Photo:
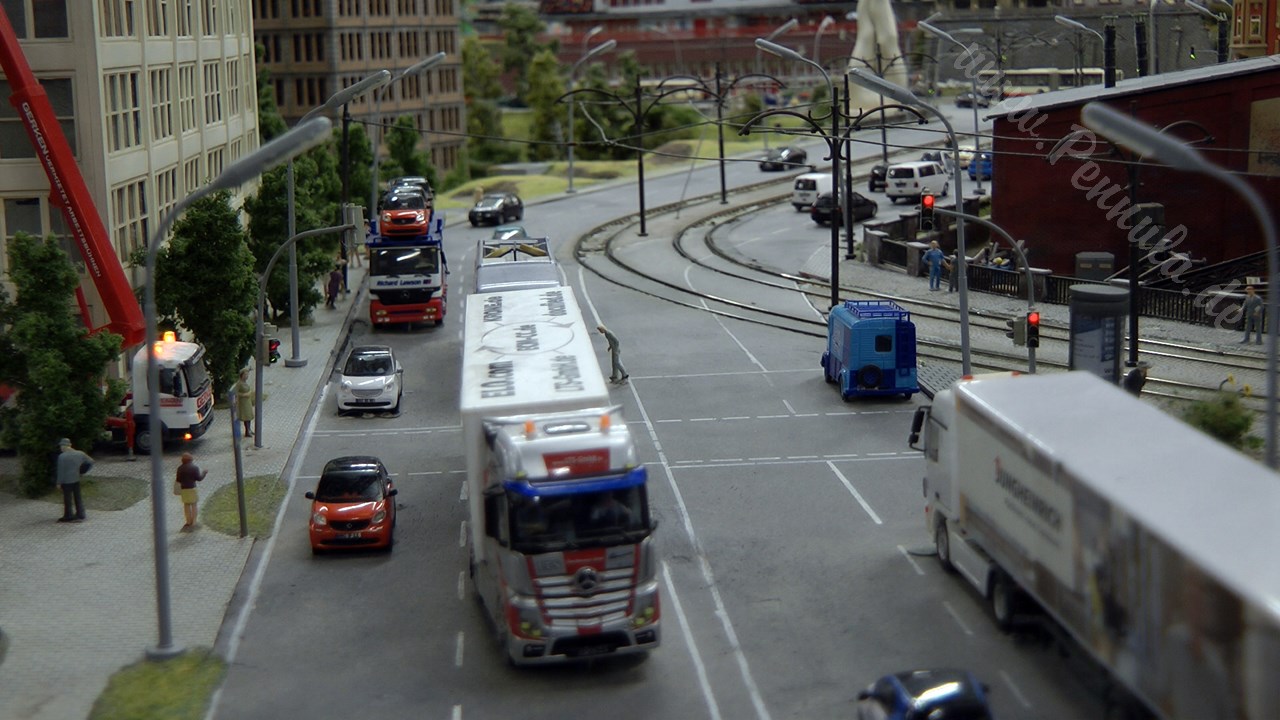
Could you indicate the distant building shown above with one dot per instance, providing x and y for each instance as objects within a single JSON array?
[
  {"x": 316, "y": 47},
  {"x": 155, "y": 98}
]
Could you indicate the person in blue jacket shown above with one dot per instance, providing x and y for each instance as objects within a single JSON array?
[{"x": 934, "y": 258}]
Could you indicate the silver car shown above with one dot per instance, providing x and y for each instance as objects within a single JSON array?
[{"x": 371, "y": 379}]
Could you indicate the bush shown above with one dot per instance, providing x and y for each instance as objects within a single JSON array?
[{"x": 1223, "y": 417}]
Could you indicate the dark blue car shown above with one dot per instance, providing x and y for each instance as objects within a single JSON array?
[
  {"x": 980, "y": 166},
  {"x": 925, "y": 695}
]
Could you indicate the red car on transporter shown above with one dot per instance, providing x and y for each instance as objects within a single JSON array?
[
  {"x": 353, "y": 505},
  {"x": 405, "y": 213}
]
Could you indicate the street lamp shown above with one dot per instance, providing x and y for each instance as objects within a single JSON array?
[
  {"x": 603, "y": 47},
  {"x": 973, "y": 85},
  {"x": 338, "y": 99},
  {"x": 1223, "y": 27},
  {"x": 827, "y": 22},
  {"x": 906, "y": 97},
  {"x": 416, "y": 68},
  {"x": 1149, "y": 142},
  {"x": 1078, "y": 27},
  {"x": 778, "y": 32},
  {"x": 301, "y": 138},
  {"x": 786, "y": 52}
]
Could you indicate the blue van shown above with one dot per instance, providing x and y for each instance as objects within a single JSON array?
[{"x": 871, "y": 349}]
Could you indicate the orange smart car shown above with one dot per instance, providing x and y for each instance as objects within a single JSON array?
[
  {"x": 353, "y": 505},
  {"x": 405, "y": 212}
]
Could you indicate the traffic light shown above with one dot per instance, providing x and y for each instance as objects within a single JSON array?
[
  {"x": 926, "y": 212},
  {"x": 1017, "y": 330},
  {"x": 1032, "y": 329}
]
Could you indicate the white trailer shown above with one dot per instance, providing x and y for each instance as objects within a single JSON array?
[
  {"x": 1151, "y": 544},
  {"x": 561, "y": 538}
]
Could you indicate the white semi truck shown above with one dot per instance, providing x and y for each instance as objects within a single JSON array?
[
  {"x": 561, "y": 540},
  {"x": 1151, "y": 544}
]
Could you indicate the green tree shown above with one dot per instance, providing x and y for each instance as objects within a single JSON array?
[
  {"x": 481, "y": 89},
  {"x": 270, "y": 124},
  {"x": 360, "y": 157},
  {"x": 403, "y": 155},
  {"x": 57, "y": 368},
  {"x": 205, "y": 282},
  {"x": 521, "y": 27},
  {"x": 549, "y": 117}
]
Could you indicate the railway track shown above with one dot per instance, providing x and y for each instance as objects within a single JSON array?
[{"x": 700, "y": 239}]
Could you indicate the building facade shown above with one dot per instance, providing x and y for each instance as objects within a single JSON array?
[
  {"x": 316, "y": 47},
  {"x": 155, "y": 97}
]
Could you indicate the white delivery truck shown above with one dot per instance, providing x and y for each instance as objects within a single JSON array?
[
  {"x": 1151, "y": 544},
  {"x": 561, "y": 540},
  {"x": 186, "y": 396}
]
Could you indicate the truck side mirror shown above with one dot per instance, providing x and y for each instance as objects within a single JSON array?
[{"x": 917, "y": 423}]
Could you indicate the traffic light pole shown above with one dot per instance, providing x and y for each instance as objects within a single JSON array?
[{"x": 1022, "y": 259}]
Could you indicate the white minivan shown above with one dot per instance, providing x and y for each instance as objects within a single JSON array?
[
  {"x": 910, "y": 180},
  {"x": 807, "y": 189}
]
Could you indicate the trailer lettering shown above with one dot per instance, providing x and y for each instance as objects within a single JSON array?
[
  {"x": 501, "y": 381},
  {"x": 527, "y": 338},
  {"x": 493, "y": 308},
  {"x": 568, "y": 378},
  {"x": 1029, "y": 498},
  {"x": 554, "y": 303}
]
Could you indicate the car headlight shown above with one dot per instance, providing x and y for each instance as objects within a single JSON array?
[
  {"x": 386, "y": 217},
  {"x": 318, "y": 518},
  {"x": 346, "y": 384},
  {"x": 379, "y": 516},
  {"x": 419, "y": 216}
]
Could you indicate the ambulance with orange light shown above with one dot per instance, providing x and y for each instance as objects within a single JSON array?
[
  {"x": 186, "y": 396},
  {"x": 561, "y": 537}
]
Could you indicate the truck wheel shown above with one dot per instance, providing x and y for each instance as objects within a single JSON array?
[
  {"x": 142, "y": 440},
  {"x": 1003, "y": 595},
  {"x": 942, "y": 541}
]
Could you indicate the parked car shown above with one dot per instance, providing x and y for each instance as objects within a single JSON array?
[
  {"x": 925, "y": 695},
  {"x": 984, "y": 98},
  {"x": 509, "y": 232},
  {"x": 861, "y": 208},
  {"x": 353, "y": 505},
  {"x": 945, "y": 158},
  {"x": 877, "y": 180},
  {"x": 784, "y": 158},
  {"x": 910, "y": 180},
  {"x": 405, "y": 212},
  {"x": 496, "y": 209},
  {"x": 371, "y": 379},
  {"x": 980, "y": 167}
]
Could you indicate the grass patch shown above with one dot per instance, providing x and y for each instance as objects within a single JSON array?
[
  {"x": 262, "y": 497},
  {"x": 103, "y": 493},
  {"x": 174, "y": 689}
]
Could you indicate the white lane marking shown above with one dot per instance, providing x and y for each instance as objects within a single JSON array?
[
  {"x": 713, "y": 708},
  {"x": 1017, "y": 693},
  {"x": 463, "y": 494},
  {"x": 457, "y": 653},
  {"x": 457, "y": 713},
  {"x": 799, "y": 415},
  {"x": 462, "y": 534},
  {"x": 723, "y": 327},
  {"x": 686, "y": 464},
  {"x": 771, "y": 417},
  {"x": 672, "y": 420},
  {"x": 853, "y": 491},
  {"x": 956, "y": 616},
  {"x": 759, "y": 459},
  {"x": 462, "y": 584},
  {"x": 737, "y": 417},
  {"x": 803, "y": 457},
  {"x": 919, "y": 570},
  {"x": 788, "y": 406},
  {"x": 255, "y": 584},
  {"x": 702, "y": 419}
]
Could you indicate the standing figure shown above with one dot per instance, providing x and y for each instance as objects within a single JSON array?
[
  {"x": 71, "y": 465},
  {"x": 934, "y": 258},
  {"x": 244, "y": 400},
  {"x": 618, "y": 373},
  {"x": 1252, "y": 314},
  {"x": 335, "y": 285},
  {"x": 187, "y": 477}
]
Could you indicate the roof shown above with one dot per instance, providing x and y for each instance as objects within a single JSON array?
[{"x": 1124, "y": 88}]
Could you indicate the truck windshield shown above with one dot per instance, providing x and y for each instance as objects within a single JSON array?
[
  {"x": 404, "y": 261},
  {"x": 197, "y": 379},
  {"x": 546, "y": 524}
]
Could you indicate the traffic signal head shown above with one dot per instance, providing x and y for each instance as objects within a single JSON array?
[
  {"x": 1017, "y": 329},
  {"x": 926, "y": 212},
  {"x": 1033, "y": 329}
]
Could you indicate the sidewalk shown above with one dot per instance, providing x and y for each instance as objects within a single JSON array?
[{"x": 78, "y": 601}]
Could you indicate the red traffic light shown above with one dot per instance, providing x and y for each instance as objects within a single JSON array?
[
  {"x": 1033, "y": 318},
  {"x": 926, "y": 201}
]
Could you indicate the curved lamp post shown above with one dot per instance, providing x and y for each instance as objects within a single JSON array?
[
  {"x": 603, "y": 47},
  {"x": 301, "y": 138},
  {"x": 906, "y": 97},
  {"x": 827, "y": 22},
  {"x": 973, "y": 89},
  {"x": 1078, "y": 27},
  {"x": 335, "y": 101},
  {"x": 419, "y": 67},
  {"x": 1224, "y": 28},
  {"x": 1149, "y": 142},
  {"x": 778, "y": 32}
]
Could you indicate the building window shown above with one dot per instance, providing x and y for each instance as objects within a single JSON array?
[
  {"x": 187, "y": 96},
  {"x": 210, "y": 17},
  {"x": 185, "y": 18},
  {"x": 235, "y": 150},
  {"x": 212, "y": 92},
  {"x": 116, "y": 18},
  {"x": 161, "y": 103},
  {"x": 191, "y": 176},
  {"x": 124, "y": 111},
  {"x": 166, "y": 190},
  {"x": 14, "y": 142},
  {"x": 129, "y": 217},
  {"x": 215, "y": 161},
  {"x": 37, "y": 18},
  {"x": 158, "y": 18},
  {"x": 233, "y": 87},
  {"x": 23, "y": 215}
]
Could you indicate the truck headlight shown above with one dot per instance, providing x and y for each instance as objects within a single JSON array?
[{"x": 647, "y": 608}]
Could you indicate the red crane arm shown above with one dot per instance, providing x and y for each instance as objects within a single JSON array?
[{"x": 68, "y": 192}]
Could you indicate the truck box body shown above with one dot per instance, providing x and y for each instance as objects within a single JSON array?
[
  {"x": 522, "y": 263},
  {"x": 1149, "y": 542},
  {"x": 560, "y": 574}
]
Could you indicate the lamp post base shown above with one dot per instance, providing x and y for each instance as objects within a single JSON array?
[
  {"x": 167, "y": 652},
  {"x": 295, "y": 362}
]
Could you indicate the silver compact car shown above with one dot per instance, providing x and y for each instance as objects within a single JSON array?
[{"x": 371, "y": 379}]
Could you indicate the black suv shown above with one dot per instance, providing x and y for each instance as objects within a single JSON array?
[
  {"x": 786, "y": 158},
  {"x": 496, "y": 209},
  {"x": 863, "y": 208}
]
